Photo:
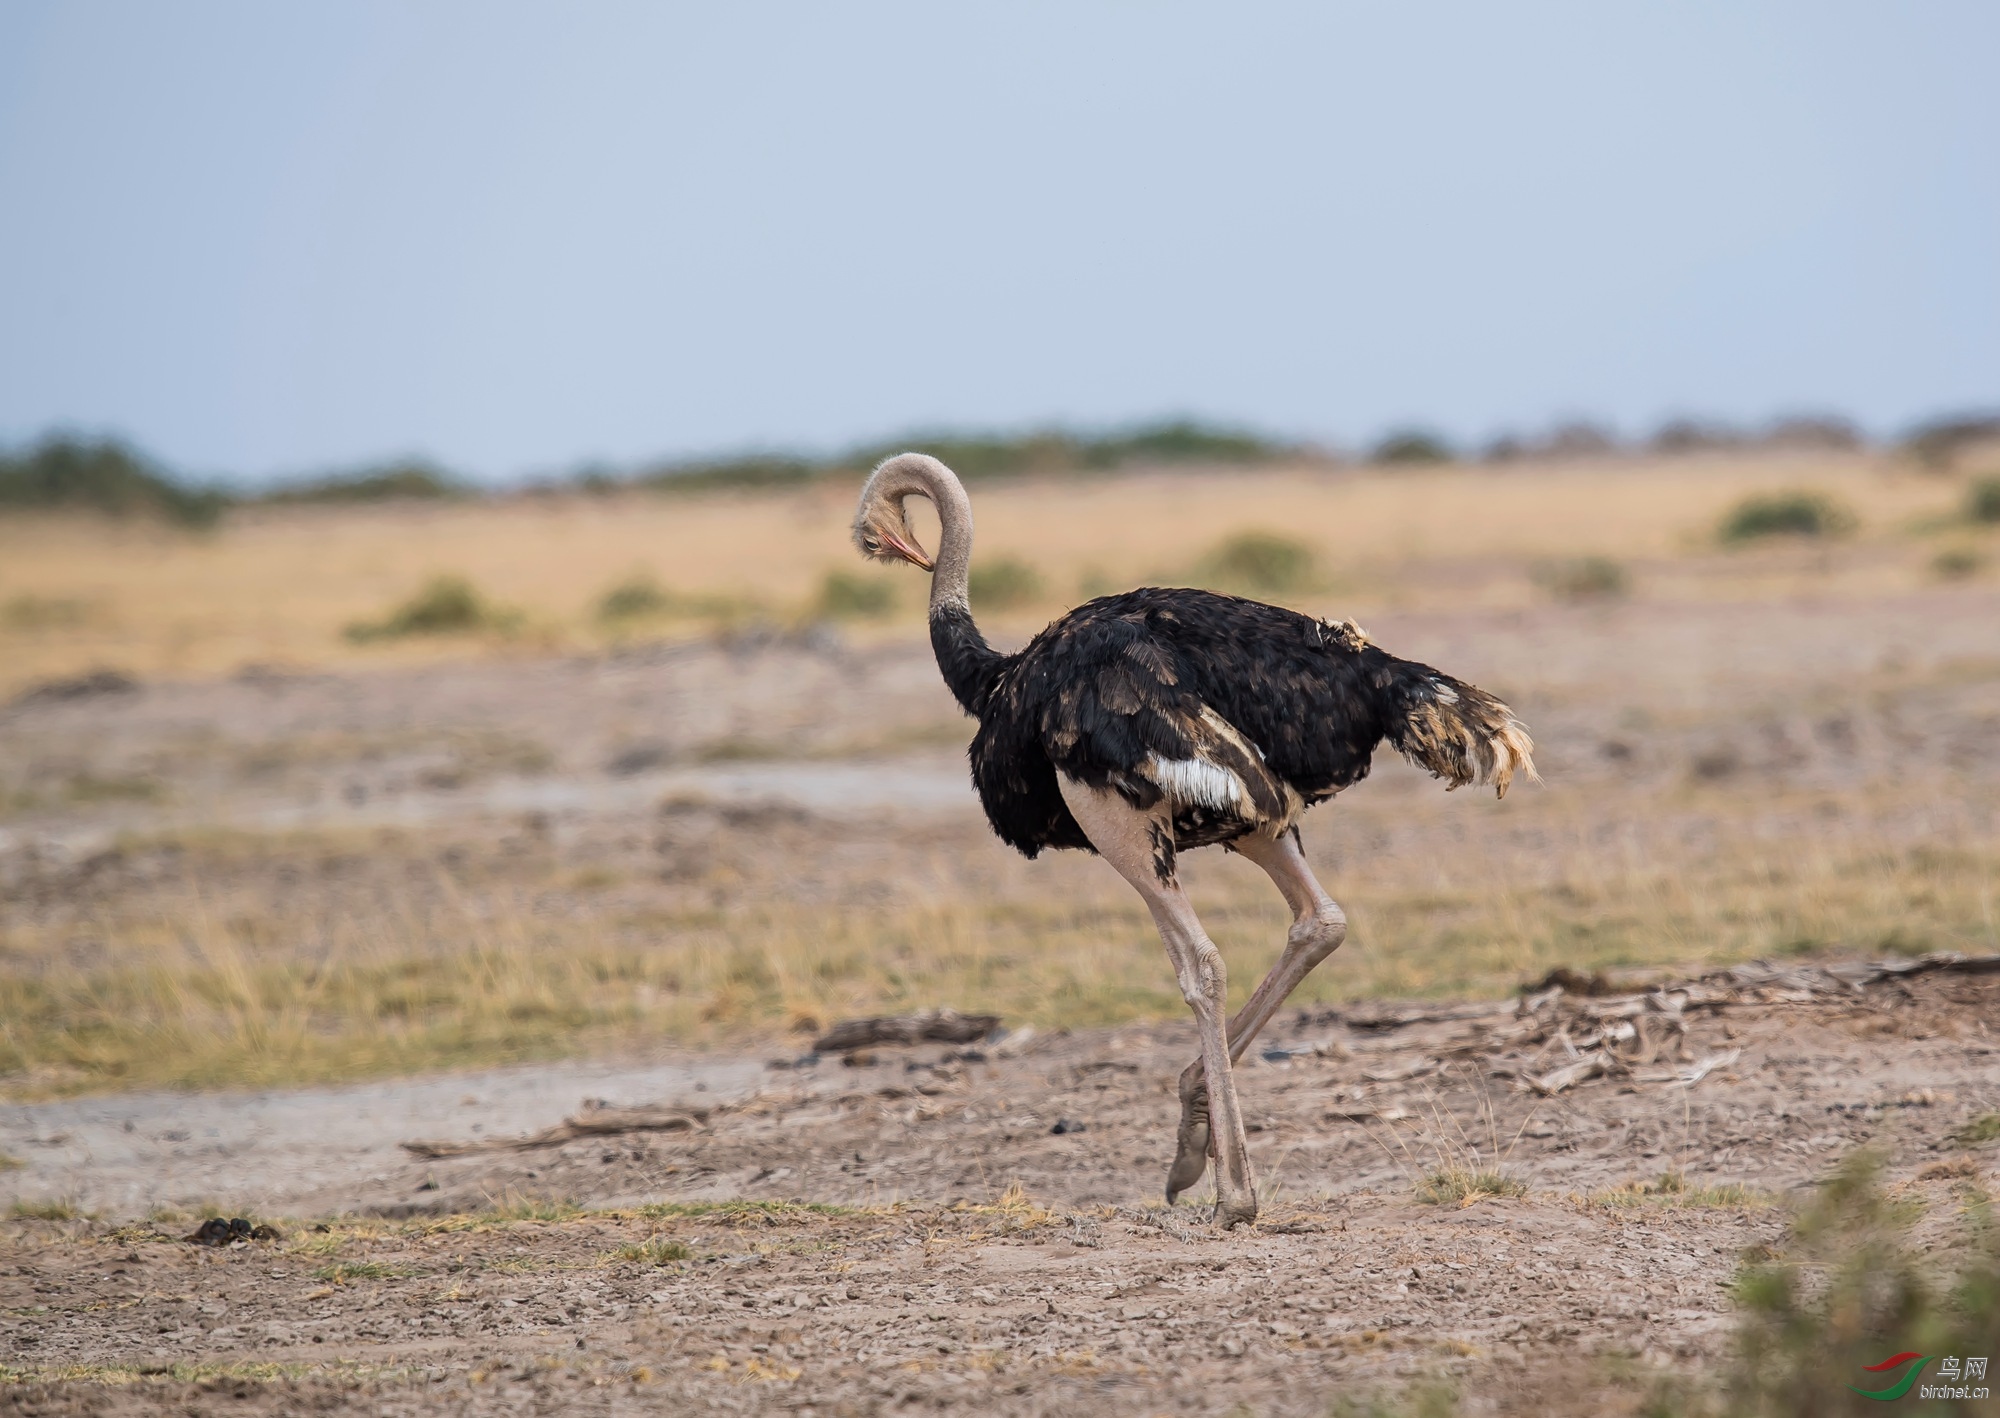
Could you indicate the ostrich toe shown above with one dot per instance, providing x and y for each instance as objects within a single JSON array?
[{"x": 1192, "y": 1143}]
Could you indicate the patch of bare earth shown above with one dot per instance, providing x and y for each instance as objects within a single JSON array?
[{"x": 946, "y": 1228}]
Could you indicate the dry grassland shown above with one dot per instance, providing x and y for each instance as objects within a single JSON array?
[
  {"x": 242, "y": 964},
  {"x": 279, "y": 586},
  {"x": 428, "y": 855}
]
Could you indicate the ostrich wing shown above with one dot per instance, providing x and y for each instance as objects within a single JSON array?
[
  {"x": 1235, "y": 712},
  {"x": 1113, "y": 704}
]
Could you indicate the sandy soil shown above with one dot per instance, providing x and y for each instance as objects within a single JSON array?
[{"x": 951, "y": 1249}]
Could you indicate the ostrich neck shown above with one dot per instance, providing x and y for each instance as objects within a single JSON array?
[
  {"x": 970, "y": 666},
  {"x": 954, "y": 555}
]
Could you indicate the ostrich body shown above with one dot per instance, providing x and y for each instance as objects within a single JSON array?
[{"x": 1144, "y": 724}]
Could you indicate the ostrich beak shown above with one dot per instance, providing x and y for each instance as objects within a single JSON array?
[{"x": 909, "y": 551}]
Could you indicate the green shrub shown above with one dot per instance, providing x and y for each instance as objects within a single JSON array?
[
  {"x": 1688, "y": 435},
  {"x": 1850, "y": 1289},
  {"x": 659, "y": 1250},
  {"x": 1957, "y": 563},
  {"x": 1411, "y": 446},
  {"x": 1178, "y": 441},
  {"x": 1938, "y": 443},
  {"x": 1982, "y": 501},
  {"x": 1003, "y": 584},
  {"x": 44, "y": 613},
  {"x": 844, "y": 595},
  {"x": 412, "y": 479},
  {"x": 1799, "y": 513},
  {"x": 1984, "y": 1128},
  {"x": 640, "y": 597},
  {"x": 975, "y": 456},
  {"x": 1261, "y": 563},
  {"x": 101, "y": 476},
  {"x": 754, "y": 470},
  {"x": 1461, "y": 1184},
  {"x": 1586, "y": 578},
  {"x": 447, "y": 605},
  {"x": 50, "y": 1209},
  {"x": 637, "y": 595}
]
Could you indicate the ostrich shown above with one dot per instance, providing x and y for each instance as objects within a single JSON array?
[{"x": 1144, "y": 724}]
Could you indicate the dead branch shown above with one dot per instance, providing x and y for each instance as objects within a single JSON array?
[
  {"x": 944, "y": 1026},
  {"x": 597, "y": 1119}
]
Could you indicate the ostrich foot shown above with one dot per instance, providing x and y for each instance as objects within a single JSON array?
[
  {"x": 1194, "y": 1142},
  {"x": 1235, "y": 1211}
]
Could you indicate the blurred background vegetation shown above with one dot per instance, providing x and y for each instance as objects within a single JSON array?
[{"x": 66, "y": 471}]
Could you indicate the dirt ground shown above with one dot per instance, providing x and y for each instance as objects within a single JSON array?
[{"x": 948, "y": 1228}]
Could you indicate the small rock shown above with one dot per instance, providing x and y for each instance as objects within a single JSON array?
[
  {"x": 639, "y": 758},
  {"x": 85, "y": 686},
  {"x": 1064, "y": 1127}
]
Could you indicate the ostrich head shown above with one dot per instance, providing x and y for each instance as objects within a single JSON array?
[{"x": 881, "y": 524}]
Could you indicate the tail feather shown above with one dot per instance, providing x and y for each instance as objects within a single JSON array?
[{"x": 1459, "y": 732}]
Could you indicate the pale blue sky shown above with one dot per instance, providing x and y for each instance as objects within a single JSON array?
[{"x": 267, "y": 238}]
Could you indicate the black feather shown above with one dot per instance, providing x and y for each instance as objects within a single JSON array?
[
  {"x": 1128, "y": 676},
  {"x": 968, "y": 663}
]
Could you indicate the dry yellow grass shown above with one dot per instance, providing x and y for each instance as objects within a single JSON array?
[
  {"x": 279, "y": 585},
  {"x": 213, "y": 986}
]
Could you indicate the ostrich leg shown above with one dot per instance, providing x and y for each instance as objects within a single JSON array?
[
  {"x": 1140, "y": 845},
  {"x": 1318, "y": 928}
]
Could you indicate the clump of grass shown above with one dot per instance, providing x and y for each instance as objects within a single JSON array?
[
  {"x": 532, "y": 1208},
  {"x": 446, "y": 605},
  {"x": 48, "y": 1209},
  {"x": 657, "y": 1250},
  {"x": 745, "y": 1210},
  {"x": 1260, "y": 563},
  {"x": 640, "y": 597},
  {"x": 1584, "y": 578},
  {"x": 1004, "y": 583},
  {"x": 10, "y": 1163},
  {"x": 320, "y": 1243},
  {"x": 344, "y": 1271},
  {"x": 1849, "y": 1289},
  {"x": 1673, "y": 1189},
  {"x": 1446, "y": 1167},
  {"x": 182, "y": 1372},
  {"x": 44, "y": 613},
  {"x": 844, "y": 595},
  {"x": 1462, "y": 1184},
  {"x": 636, "y": 596},
  {"x": 1984, "y": 1128},
  {"x": 86, "y": 789},
  {"x": 1982, "y": 500},
  {"x": 1957, "y": 563},
  {"x": 1014, "y": 1210},
  {"x": 1424, "y": 1398},
  {"x": 1799, "y": 513}
]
